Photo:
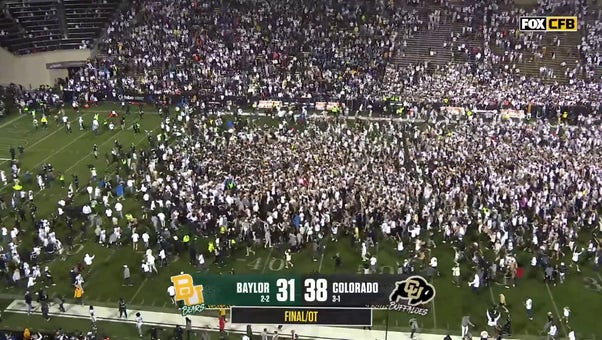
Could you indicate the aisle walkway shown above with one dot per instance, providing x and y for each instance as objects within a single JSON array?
[{"x": 210, "y": 323}]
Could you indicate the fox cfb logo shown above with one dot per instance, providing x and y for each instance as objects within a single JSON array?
[
  {"x": 548, "y": 24},
  {"x": 415, "y": 291},
  {"x": 188, "y": 293}
]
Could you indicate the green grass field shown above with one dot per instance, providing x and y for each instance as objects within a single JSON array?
[{"x": 72, "y": 154}]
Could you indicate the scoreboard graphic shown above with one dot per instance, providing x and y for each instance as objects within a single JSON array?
[{"x": 315, "y": 299}]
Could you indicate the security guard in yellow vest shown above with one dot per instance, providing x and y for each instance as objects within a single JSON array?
[{"x": 400, "y": 111}]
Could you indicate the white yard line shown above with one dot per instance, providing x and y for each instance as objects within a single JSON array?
[
  {"x": 558, "y": 315},
  {"x": 138, "y": 290},
  {"x": 89, "y": 154},
  {"x": 434, "y": 312},
  {"x": 321, "y": 261},
  {"x": 40, "y": 141},
  {"x": 45, "y": 137},
  {"x": 13, "y": 120},
  {"x": 63, "y": 148},
  {"x": 491, "y": 294}
]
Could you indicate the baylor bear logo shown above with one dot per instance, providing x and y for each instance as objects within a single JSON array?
[{"x": 415, "y": 290}]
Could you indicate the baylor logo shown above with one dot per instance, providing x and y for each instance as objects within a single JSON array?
[{"x": 188, "y": 293}]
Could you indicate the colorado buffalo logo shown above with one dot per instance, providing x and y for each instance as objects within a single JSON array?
[{"x": 415, "y": 290}]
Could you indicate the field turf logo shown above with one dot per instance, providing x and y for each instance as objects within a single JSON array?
[
  {"x": 187, "y": 293},
  {"x": 411, "y": 294},
  {"x": 548, "y": 24}
]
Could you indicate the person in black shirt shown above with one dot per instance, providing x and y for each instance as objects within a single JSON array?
[
  {"x": 178, "y": 332},
  {"x": 45, "y": 311},
  {"x": 42, "y": 296},
  {"x": 123, "y": 309},
  {"x": 337, "y": 260},
  {"x": 154, "y": 333},
  {"x": 28, "y": 302},
  {"x": 60, "y": 301}
]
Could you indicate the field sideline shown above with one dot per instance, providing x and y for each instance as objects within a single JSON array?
[{"x": 72, "y": 154}]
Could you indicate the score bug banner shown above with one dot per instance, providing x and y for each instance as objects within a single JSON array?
[{"x": 195, "y": 293}]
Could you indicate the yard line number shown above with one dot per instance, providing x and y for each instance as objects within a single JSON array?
[
  {"x": 275, "y": 264},
  {"x": 593, "y": 284}
]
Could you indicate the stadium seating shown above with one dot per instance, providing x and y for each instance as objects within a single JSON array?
[{"x": 38, "y": 26}]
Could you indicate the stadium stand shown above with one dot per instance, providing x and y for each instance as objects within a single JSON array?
[{"x": 38, "y": 26}]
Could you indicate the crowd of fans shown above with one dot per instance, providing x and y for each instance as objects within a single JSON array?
[
  {"x": 490, "y": 188},
  {"x": 336, "y": 51}
]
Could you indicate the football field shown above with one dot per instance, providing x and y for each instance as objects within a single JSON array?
[{"x": 71, "y": 154}]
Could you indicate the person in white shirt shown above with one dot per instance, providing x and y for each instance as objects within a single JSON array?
[
  {"x": 145, "y": 239},
  {"x": 139, "y": 323},
  {"x": 163, "y": 258},
  {"x": 475, "y": 283},
  {"x": 93, "y": 316},
  {"x": 400, "y": 247},
  {"x": 433, "y": 264},
  {"x": 88, "y": 259},
  {"x": 150, "y": 259},
  {"x": 146, "y": 269},
  {"x": 553, "y": 331},
  {"x": 31, "y": 281},
  {"x": 201, "y": 261},
  {"x": 135, "y": 239},
  {"x": 571, "y": 335},
  {"x": 79, "y": 279},
  {"x": 529, "y": 308},
  {"x": 119, "y": 209},
  {"x": 364, "y": 251},
  {"x": 109, "y": 213},
  {"x": 493, "y": 316},
  {"x": 4, "y": 234},
  {"x": 102, "y": 237},
  {"x": 161, "y": 217},
  {"x": 373, "y": 262},
  {"x": 171, "y": 290},
  {"x": 13, "y": 235},
  {"x": 456, "y": 274},
  {"x": 566, "y": 313},
  {"x": 288, "y": 259},
  {"x": 575, "y": 258}
]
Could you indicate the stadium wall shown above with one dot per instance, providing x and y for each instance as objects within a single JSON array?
[{"x": 30, "y": 70}]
